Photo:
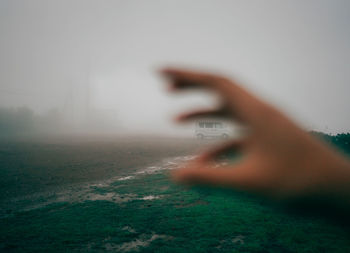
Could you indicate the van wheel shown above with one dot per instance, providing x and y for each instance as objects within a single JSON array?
[
  {"x": 200, "y": 136},
  {"x": 224, "y": 136}
]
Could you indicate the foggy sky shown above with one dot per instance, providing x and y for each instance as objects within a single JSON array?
[{"x": 296, "y": 54}]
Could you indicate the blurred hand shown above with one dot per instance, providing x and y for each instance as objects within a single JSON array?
[{"x": 280, "y": 160}]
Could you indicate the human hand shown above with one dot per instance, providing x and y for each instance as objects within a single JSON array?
[{"x": 280, "y": 160}]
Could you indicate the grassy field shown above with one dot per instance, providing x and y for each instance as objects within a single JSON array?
[{"x": 144, "y": 212}]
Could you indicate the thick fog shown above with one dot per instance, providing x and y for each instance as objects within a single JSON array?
[{"x": 91, "y": 66}]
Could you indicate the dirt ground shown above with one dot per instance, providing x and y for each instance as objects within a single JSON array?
[{"x": 30, "y": 166}]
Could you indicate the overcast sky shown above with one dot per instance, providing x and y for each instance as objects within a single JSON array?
[{"x": 296, "y": 54}]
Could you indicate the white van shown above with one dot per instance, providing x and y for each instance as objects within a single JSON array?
[{"x": 211, "y": 129}]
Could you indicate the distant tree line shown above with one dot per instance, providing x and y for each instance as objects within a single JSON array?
[
  {"x": 22, "y": 121},
  {"x": 340, "y": 141}
]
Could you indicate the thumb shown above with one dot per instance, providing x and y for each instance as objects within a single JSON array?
[{"x": 242, "y": 176}]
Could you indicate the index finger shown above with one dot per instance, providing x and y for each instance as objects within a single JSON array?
[
  {"x": 244, "y": 106},
  {"x": 189, "y": 79}
]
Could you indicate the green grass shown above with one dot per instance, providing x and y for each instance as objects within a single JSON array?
[
  {"x": 185, "y": 219},
  {"x": 188, "y": 220}
]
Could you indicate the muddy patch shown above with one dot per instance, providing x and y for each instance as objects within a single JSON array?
[
  {"x": 196, "y": 203},
  {"x": 232, "y": 242},
  {"x": 137, "y": 244},
  {"x": 129, "y": 229},
  {"x": 125, "y": 178}
]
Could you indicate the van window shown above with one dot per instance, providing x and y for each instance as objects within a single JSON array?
[
  {"x": 218, "y": 125},
  {"x": 201, "y": 124},
  {"x": 209, "y": 125}
]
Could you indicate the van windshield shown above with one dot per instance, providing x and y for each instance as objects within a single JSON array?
[{"x": 210, "y": 125}]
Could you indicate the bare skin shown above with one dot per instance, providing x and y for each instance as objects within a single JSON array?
[{"x": 280, "y": 161}]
